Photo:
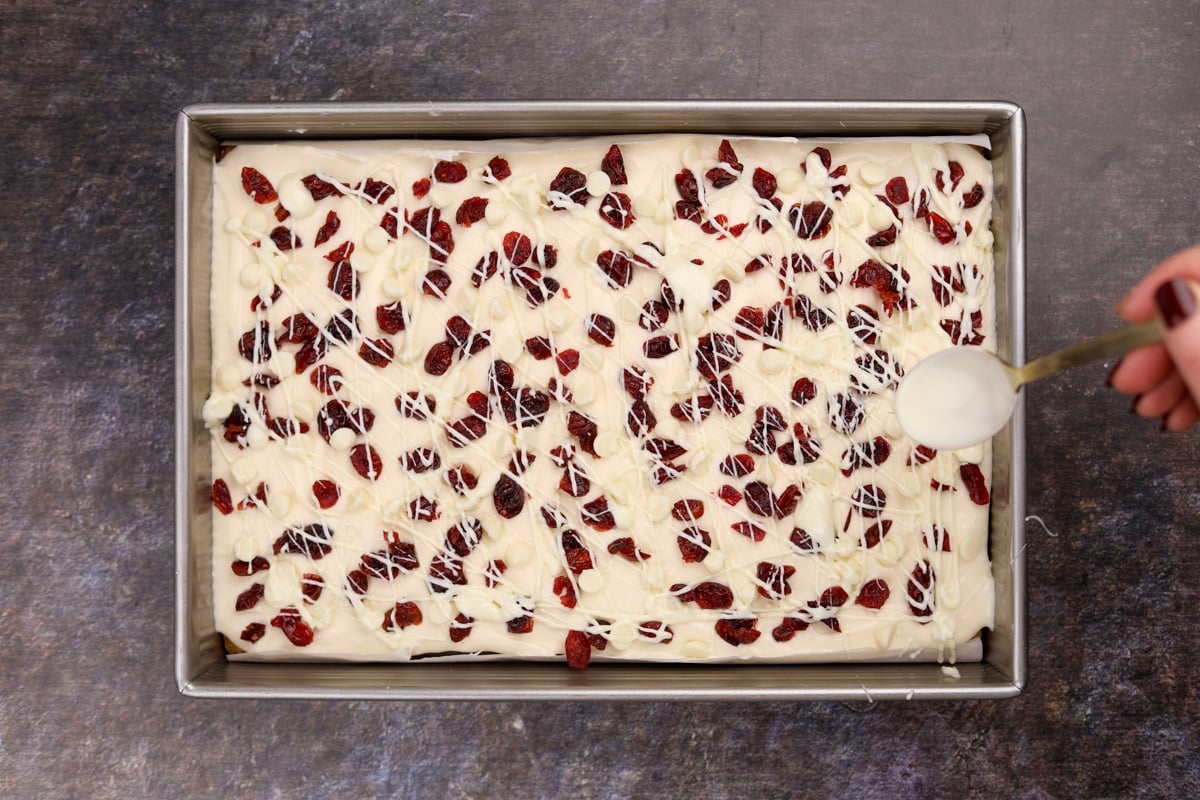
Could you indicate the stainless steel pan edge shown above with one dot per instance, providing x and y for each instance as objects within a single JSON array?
[{"x": 200, "y": 667}]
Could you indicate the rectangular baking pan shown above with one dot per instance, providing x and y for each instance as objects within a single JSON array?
[{"x": 201, "y": 669}]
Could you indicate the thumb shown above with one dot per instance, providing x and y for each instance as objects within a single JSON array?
[{"x": 1176, "y": 302}]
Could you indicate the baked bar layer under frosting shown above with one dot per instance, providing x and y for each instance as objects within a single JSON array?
[{"x": 857, "y": 276}]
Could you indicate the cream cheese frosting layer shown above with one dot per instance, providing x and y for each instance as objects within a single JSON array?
[{"x": 575, "y": 397}]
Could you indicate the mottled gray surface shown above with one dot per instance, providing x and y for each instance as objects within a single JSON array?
[{"x": 88, "y": 706}]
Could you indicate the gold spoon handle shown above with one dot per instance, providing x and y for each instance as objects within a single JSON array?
[{"x": 1102, "y": 346}]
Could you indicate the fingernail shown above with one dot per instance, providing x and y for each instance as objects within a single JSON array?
[
  {"x": 1175, "y": 302},
  {"x": 1162, "y": 424},
  {"x": 1113, "y": 371}
]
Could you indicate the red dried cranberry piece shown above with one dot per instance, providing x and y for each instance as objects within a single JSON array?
[
  {"x": 722, "y": 291},
  {"x": 726, "y": 396},
  {"x": 920, "y": 590},
  {"x": 750, "y": 530},
  {"x": 865, "y": 454},
  {"x": 863, "y": 323},
  {"x": 787, "y": 500},
  {"x": 694, "y": 544},
  {"x": 655, "y": 314},
  {"x": 729, "y": 495},
  {"x": 617, "y": 210},
  {"x": 695, "y": 409},
  {"x": 376, "y": 352},
  {"x": 377, "y": 192},
  {"x": 517, "y": 247},
  {"x": 882, "y": 238},
  {"x": 716, "y": 353},
  {"x": 249, "y": 598},
  {"x": 873, "y": 594},
  {"x": 340, "y": 328},
  {"x": 764, "y": 183},
  {"x": 464, "y": 536},
  {"x": 358, "y": 581},
  {"x": 421, "y": 459},
  {"x": 876, "y": 533},
  {"x": 773, "y": 579},
  {"x": 576, "y": 646},
  {"x": 972, "y": 478},
  {"x": 485, "y": 268},
  {"x": 577, "y": 556},
  {"x": 617, "y": 268},
  {"x": 640, "y": 419},
  {"x": 366, "y": 461},
  {"x": 466, "y": 430},
  {"x": 313, "y": 541},
  {"x": 343, "y": 281},
  {"x": 319, "y": 188},
  {"x": 601, "y": 329},
  {"x": 737, "y": 466},
  {"x": 253, "y": 632},
  {"x": 439, "y": 358},
  {"x": 814, "y": 318},
  {"x": 414, "y": 405},
  {"x": 449, "y": 172},
  {"x": 390, "y": 317},
  {"x": 498, "y": 167},
  {"x": 298, "y": 329},
  {"x": 613, "y": 166},
  {"x": 636, "y": 382},
  {"x": 574, "y": 481},
  {"x": 567, "y": 361},
  {"x": 936, "y": 538},
  {"x": 660, "y": 346},
  {"x": 298, "y": 632},
  {"x": 565, "y": 591},
  {"x": 445, "y": 572},
  {"x": 255, "y": 344},
  {"x": 942, "y": 230},
  {"x": 460, "y": 627},
  {"x": 595, "y": 514},
  {"x": 570, "y": 184},
  {"x": 811, "y": 220},
  {"x": 470, "y": 211},
  {"x": 897, "y": 190},
  {"x": 221, "y": 497},
  {"x": 760, "y": 499},
  {"x": 583, "y": 428},
  {"x": 245, "y": 569},
  {"x": 508, "y": 496},
  {"x": 326, "y": 493},
  {"x": 688, "y": 510},
  {"x": 738, "y": 631},
  {"x": 709, "y": 595},
  {"x": 689, "y": 189},
  {"x": 255, "y": 184},
  {"x": 625, "y": 548},
  {"x": 749, "y": 322},
  {"x": 846, "y": 412},
  {"x": 521, "y": 624},
  {"x": 461, "y": 480},
  {"x": 973, "y": 197},
  {"x": 801, "y": 541},
  {"x": 803, "y": 391},
  {"x": 730, "y": 168},
  {"x": 402, "y": 615},
  {"x": 436, "y": 283}
]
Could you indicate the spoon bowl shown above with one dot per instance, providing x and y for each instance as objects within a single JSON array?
[{"x": 961, "y": 396}]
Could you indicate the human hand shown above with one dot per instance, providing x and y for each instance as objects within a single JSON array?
[{"x": 1164, "y": 378}]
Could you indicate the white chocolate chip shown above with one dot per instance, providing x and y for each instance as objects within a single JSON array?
[
  {"x": 518, "y": 554},
  {"x": 441, "y": 195},
  {"x": 871, "y": 173},
  {"x": 342, "y": 439},
  {"x": 246, "y": 549},
  {"x": 393, "y": 287},
  {"x": 598, "y": 183},
  {"x": 229, "y": 378},
  {"x": 883, "y": 634},
  {"x": 295, "y": 197},
  {"x": 257, "y": 437},
  {"x": 880, "y": 218},
  {"x": 852, "y": 214},
  {"x": 243, "y": 470},
  {"x": 509, "y": 348},
  {"x": 606, "y": 444},
  {"x": 279, "y": 503},
  {"x": 772, "y": 362},
  {"x": 591, "y": 581},
  {"x": 589, "y": 249},
  {"x": 790, "y": 179},
  {"x": 495, "y": 212},
  {"x": 252, "y": 276},
  {"x": 696, "y": 649},
  {"x": 622, "y": 635},
  {"x": 256, "y": 222},
  {"x": 216, "y": 409}
]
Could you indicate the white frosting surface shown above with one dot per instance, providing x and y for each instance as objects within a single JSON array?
[{"x": 928, "y": 502}]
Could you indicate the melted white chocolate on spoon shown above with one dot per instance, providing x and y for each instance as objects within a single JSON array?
[{"x": 617, "y": 596}]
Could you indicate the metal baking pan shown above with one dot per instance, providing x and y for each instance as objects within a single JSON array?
[{"x": 201, "y": 669}]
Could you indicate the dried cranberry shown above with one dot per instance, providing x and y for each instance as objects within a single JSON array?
[
  {"x": 601, "y": 329},
  {"x": 972, "y": 478},
  {"x": 876, "y": 533},
  {"x": 449, "y": 172},
  {"x": 520, "y": 625},
  {"x": 460, "y": 627},
  {"x": 750, "y": 530},
  {"x": 402, "y": 615},
  {"x": 326, "y": 493},
  {"x": 617, "y": 268},
  {"x": 517, "y": 247},
  {"x": 694, "y": 544},
  {"x": 584, "y": 428},
  {"x": 764, "y": 183},
  {"x": 720, "y": 294},
  {"x": 801, "y": 541},
  {"x": 882, "y": 238},
  {"x": 465, "y": 430},
  {"x": 730, "y": 168},
  {"x": 255, "y": 344},
  {"x": 688, "y": 510},
  {"x": 565, "y": 591},
  {"x": 729, "y": 495},
  {"x": 567, "y": 361},
  {"x": 461, "y": 480},
  {"x": 245, "y": 569},
  {"x": 694, "y": 409},
  {"x": 366, "y": 461},
  {"x": 685, "y": 183},
  {"x": 810, "y": 221},
  {"x": 253, "y": 632},
  {"x": 716, "y": 353},
  {"x": 636, "y": 382},
  {"x": 660, "y": 346},
  {"x": 436, "y": 283},
  {"x": 655, "y": 314},
  {"x": 737, "y": 466},
  {"x": 773, "y": 579},
  {"x": 726, "y": 396},
  {"x": 942, "y": 230},
  {"x": 846, "y": 412},
  {"x": 814, "y": 318},
  {"x": 249, "y": 598},
  {"x": 221, "y": 497},
  {"x": 973, "y": 197},
  {"x": 445, "y": 572},
  {"x": 439, "y": 358},
  {"x": 498, "y": 167},
  {"x": 738, "y": 631},
  {"x": 298, "y": 632},
  {"x": 595, "y": 514},
  {"x": 760, "y": 499},
  {"x": 897, "y": 190},
  {"x": 571, "y": 185},
  {"x": 625, "y": 547},
  {"x": 936, "y": 538},
  {"x": 576, "y": 646},
  {"x": 873, "y": 594},
  {"x": 539, "y": 347},
  {"x": 508, "y": 496},
  {"x": 463, "y": 537},
  {"x": 920, "y": 589},
  {"x": 865, "y": 454},
  {"x": 640, "y": 419},
  {"x": 617, "y": 210},
  {"x": 341, "y": 327},
  {"x": 377, "y": 192},
  {"x": 470, "y": 211},
  {"x": 376, "y": 352},
  {"x": 577, "y": 556},
  {"x": 787, "y": 628},
  {"x": 748, "y": 324},
  {"x": 415, "y": 405},
  {"x": 313, "y": 541},
  {"x": 255, "y": 184},
  {"x": 343, "y": 281},
  {"x": 708, "y": 595},
  {"x": 320, "y": 188}
]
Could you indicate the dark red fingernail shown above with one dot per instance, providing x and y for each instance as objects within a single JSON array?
[
  {"x": 1175, "y": 301},
  {"x": 1113, "y": 371}
]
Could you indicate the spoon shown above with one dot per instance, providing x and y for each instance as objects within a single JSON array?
[{"x": 961, "y": 396}]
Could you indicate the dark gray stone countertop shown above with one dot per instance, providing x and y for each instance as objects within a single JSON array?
[{"x": 88, "y": 704}]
